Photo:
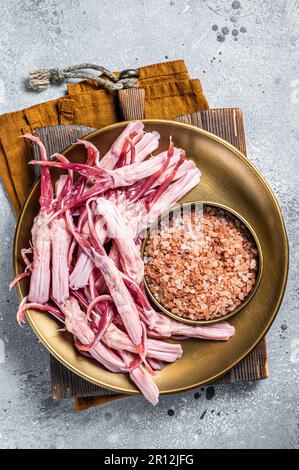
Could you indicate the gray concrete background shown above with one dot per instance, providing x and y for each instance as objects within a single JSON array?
[{"x": 258, "y": 72}]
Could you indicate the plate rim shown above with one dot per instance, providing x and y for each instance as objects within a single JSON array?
[{"x": 247, "y": 161}]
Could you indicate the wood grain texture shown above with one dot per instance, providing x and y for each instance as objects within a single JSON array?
[
  {"x": 227, "y": 124},
  {"x": 57, "y": 138},
  {"x": 131, "y": 103}
]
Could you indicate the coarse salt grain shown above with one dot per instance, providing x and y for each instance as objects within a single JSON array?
[{"x": 201, "y": 269}]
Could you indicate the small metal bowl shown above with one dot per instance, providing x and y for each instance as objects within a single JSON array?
[{"x": 190, "y": 205}]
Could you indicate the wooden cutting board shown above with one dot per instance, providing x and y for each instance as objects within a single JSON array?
[{"x": 227, "y": 124}]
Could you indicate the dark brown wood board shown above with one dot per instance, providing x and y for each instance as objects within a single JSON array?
[{"x": 227, "y": 124}]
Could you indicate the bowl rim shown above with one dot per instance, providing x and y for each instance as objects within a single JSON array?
[{"x": 253, "y": 234}]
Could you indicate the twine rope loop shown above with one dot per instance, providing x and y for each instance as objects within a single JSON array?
[{"x": 40, "y": 79}]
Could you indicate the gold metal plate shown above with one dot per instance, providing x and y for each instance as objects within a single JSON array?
[{"x": 227, "y": 178}]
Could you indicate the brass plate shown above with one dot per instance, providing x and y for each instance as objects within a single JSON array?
[
  {"x": 227, "y": 178},
  {"x": 249, "y": 296}
]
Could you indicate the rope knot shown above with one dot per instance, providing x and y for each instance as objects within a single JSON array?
[
  {"x": 128, "y": 83},
  {"x": 56, "y": 76},
  {"x": 40, "y": 79}
]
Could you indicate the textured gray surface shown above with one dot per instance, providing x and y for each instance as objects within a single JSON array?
[{"x": 258, "y": 72}]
